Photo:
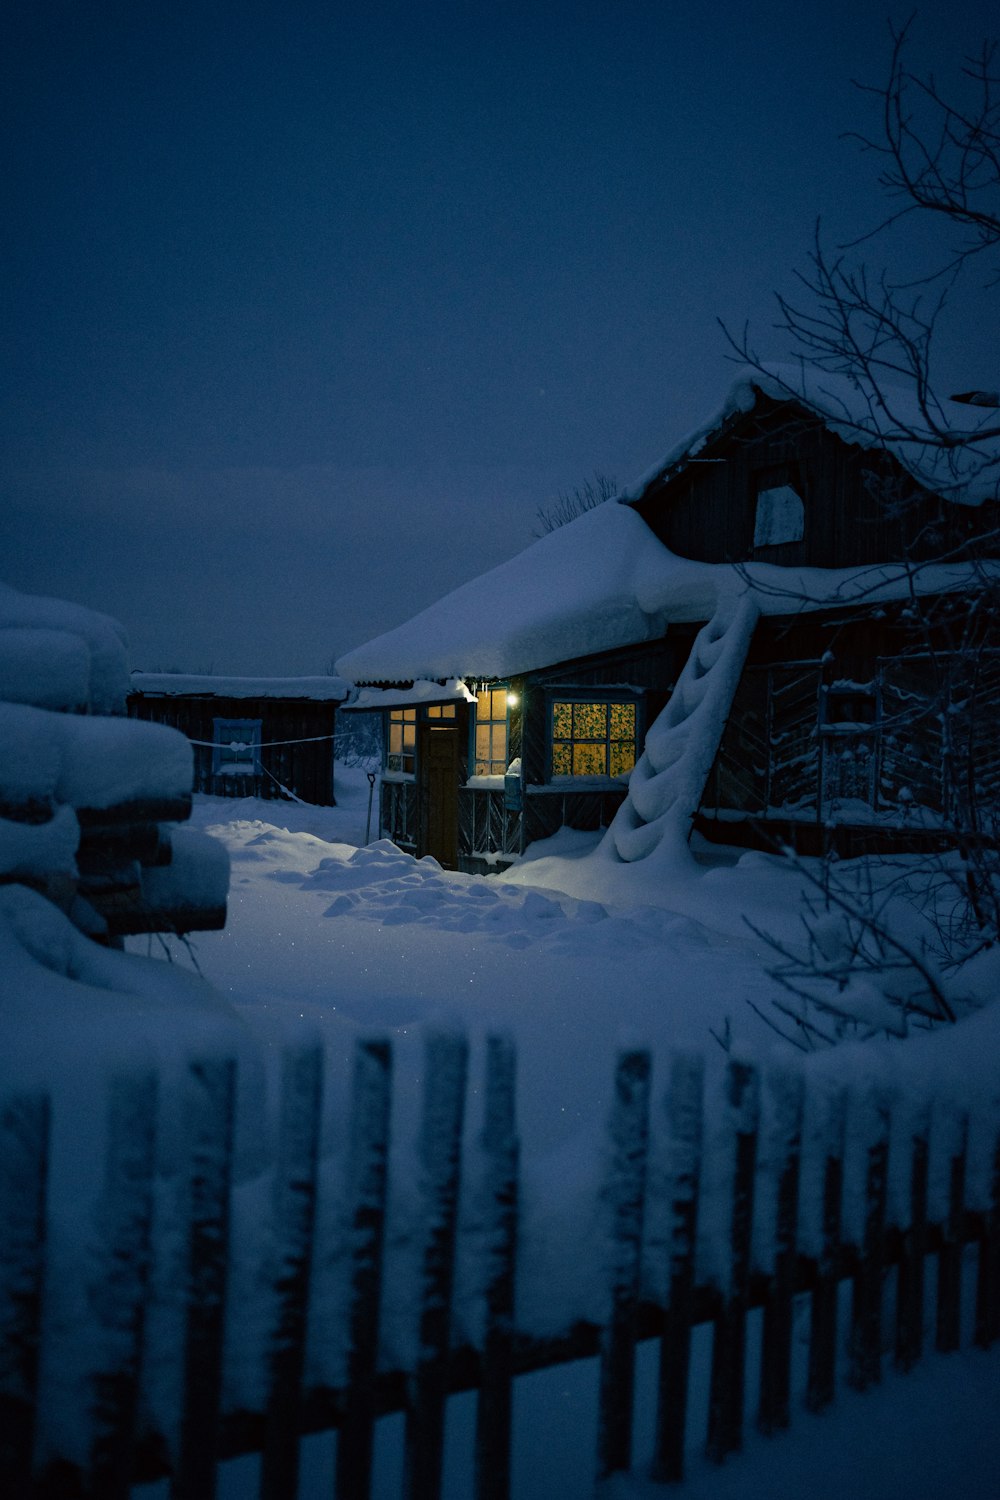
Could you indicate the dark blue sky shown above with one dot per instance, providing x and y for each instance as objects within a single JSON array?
[{"x": 309, "y": 306}]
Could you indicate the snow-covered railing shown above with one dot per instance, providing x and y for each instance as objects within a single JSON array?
[{"x": 130, "y": 1348}]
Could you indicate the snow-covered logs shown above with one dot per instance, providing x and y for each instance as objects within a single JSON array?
[{"x": 84, "y": 791}]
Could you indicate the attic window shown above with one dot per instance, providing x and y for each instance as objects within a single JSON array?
[{"x": 780, "y": 516}]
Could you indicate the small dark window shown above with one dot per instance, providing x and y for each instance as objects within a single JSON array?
[{"x": 236, "y": 747}]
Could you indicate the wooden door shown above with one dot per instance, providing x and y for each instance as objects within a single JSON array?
[{"x": 438, "y": 752}]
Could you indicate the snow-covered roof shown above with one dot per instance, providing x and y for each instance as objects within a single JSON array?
[
  {"x": 421, "y": 691},
  {"x": 605, "y": 581},
  {"x": 185, "y": 685},
  {"x": 569, "y": 594},
  {"x": 946, "y": 445},
  {"x": 602, "y": 582}
]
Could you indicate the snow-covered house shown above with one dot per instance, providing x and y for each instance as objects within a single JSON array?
[
  {"x": 749, "y": 640},
  {"x": 252, "y": 736}
]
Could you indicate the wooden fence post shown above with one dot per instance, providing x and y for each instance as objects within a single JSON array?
[
  {"x": 210, "y": 1107},
  {"x": 501, "y": 1149},
  {"x": 625, "y": 1196},
  {"x": 776, "y": 1347},
  {"x": 118, "y": 1291},
  {"x": 293, "y": 1227},
  {"x": 988, "y": 1268},
  {"x": 25, "y": 1123},
  {"x": 865, "y": 1364},
  {"x": 910, "y": 1283},
  {"x": 445, "y": 1061},
  {"x": 821, "y": 1380},
  {"x": 949, "y": 1288},
  {"x": 684, "y": 1107},
  {"x": 371, "y": 1100},
  {"x": 726, "y": 1390}
]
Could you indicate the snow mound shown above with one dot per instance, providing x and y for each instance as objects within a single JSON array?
[{"x": 666, "y": 785}]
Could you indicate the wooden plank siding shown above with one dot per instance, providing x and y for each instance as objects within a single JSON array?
[
  {"x": 852, "y": 495},
  {"x": 306, "y": 769}
]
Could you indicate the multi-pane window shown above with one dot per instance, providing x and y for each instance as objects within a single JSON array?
[
  {"x": 491, "y": 732},
  {"x": 441, "y": 711},
  {"x": 402, "y": 739},
  {"x": 236, "y": 748},
  {"x": 592, "y": 739}
]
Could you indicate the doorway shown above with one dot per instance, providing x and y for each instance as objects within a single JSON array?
[{"x": 439, "y": 767}]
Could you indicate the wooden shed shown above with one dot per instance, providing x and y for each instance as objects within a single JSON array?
[
  {"x": 792, "y": 566},
  {"x": 252, "y": 736}
]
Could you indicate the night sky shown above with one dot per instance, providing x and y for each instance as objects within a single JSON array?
[{"x": 308, "y": 307}]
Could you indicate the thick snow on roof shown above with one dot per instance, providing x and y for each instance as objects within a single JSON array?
[
  {"x": 570, "y": 594},
  {"x": 942, "y": 446},
  {"x": 602, "y": 582},
  {"x": 185, "y": 685},
  {"x": 421, "y": 691}
]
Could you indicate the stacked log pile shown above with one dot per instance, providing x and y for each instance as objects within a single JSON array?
[{"x": 90, "y": 800}]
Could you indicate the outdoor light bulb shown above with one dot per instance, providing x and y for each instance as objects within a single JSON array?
[{"x": 511, "y": 700}]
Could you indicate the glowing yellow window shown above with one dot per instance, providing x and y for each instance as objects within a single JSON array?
[
  {"x": 402, "y": 739},
  {"x": 592, "y": 739},
  {"x": 441, "y": 711},
  {"x": 491, "y": 732}
]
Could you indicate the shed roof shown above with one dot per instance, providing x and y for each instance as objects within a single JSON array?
[{"x": 184, "y": 685}]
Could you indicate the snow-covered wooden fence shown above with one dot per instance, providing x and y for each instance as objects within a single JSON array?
[{"x": 771, "y": 1197}]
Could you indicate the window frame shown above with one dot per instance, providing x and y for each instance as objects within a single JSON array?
[
  {"x": 221, "y": 727},
  {"x": 607, "y": 697},
  {"x": 405, "y": 751},
  {"x": 475, "y": 723}
]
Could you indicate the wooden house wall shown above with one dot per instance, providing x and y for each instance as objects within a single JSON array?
[
  {"x": 306, "y": 769},
  {"x": 924, "y": 745},
  {"x": 853, "y": 498}
]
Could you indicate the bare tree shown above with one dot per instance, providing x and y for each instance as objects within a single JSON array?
[
  {"x": 939, "y": 160},
  {"x": 573, "y": 503}
]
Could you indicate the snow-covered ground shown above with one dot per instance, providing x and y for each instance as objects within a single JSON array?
[{"x": 329, "y": 937}]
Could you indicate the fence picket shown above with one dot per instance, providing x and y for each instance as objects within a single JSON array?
[
  {"x": 684, "y": 1107},
  {"x": 988, "y": 1268},
  {"x": 118, "y": 1292},
  {"x": 501, "y": 1149},
  {"x": 726, "y": 1389},
  {"x": 210, "y": 1101},
  {"x": 776, "y": 1348},
  {"x": 371, "y": 1091},
  {"x": 821, "y": 1379},
  {"x": 445, "y": 1061},
  {"x": 118, "y": 1281},
  {"x": 910, "y": 1281},
  {"x": 25, "y": 1123},
  {"x": 865, "y": 1348},
  {"x": 293, "y": 1221},
  {"x": 949, "y": 1285},
  {"x": 625, "y": 1194}
]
